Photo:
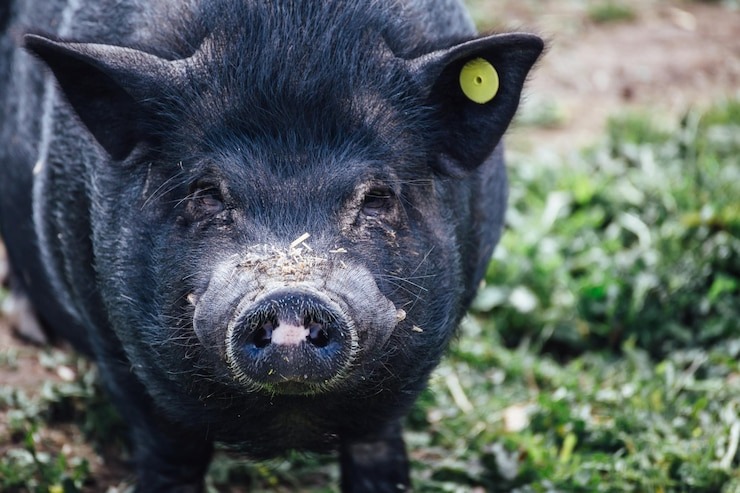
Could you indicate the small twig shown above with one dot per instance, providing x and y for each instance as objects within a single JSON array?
[
  {"x": 458, "y": 394},
  {"x": 733, "y": 442},
  {"x": 299, "y": 240}
]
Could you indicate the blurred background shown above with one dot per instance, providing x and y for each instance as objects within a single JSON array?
[
  {"x": 606, "y": 57},
  {"x": 602, "y": 353}
]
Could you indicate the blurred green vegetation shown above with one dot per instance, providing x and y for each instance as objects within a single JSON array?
[
  {"x": 611, "y": 11},
  {"x": 31, "y": 458},
  {"x": 603, "y": 352},
  {"x": 640, "y": 232}
]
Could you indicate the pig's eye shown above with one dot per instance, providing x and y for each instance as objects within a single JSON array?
[
  {"x": 377, "y": 201},
  {"x": 206, "y": 200}
]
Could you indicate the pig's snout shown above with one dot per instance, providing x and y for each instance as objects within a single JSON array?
[
  {"x": 286, "y": 324},
  {"x": 290, "y": 341}
]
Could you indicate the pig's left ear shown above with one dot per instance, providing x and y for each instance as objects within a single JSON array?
[
  {"x": 108, "y": 87},
  {"x": 474, "y": 90}
]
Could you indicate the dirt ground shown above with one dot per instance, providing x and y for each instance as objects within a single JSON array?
[{"x": 672, "y": 56}]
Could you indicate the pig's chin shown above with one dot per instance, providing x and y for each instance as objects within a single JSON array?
[{"x": 296, "y": 388}]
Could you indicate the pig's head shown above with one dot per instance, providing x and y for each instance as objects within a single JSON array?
[{"x": 279, "y": 216}]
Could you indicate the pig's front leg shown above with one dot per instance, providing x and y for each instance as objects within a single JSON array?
[
  {"x": 170, "y": 465},
  {"x": 168, "y": 458},
  {"x": 376, "y": 464}
]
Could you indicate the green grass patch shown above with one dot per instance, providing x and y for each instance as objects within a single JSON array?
[
  {"x": 32, "y": 459},
  {"x": 603, "y": 351},
  {"x": 605, "y": 12},
  {"x": 637, "y": 238},
  {"x": 597, "y": 423},
  {"x": 541, "y": 113}
]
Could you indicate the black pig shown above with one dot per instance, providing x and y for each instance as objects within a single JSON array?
[{"x": 262, "y": 219}]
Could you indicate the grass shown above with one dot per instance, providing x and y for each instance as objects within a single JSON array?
[
  {"x": 640, "y": 231},
  {"x": 610, "y": 11},
  {"x": 602, "y": 355},
  {"x": 32, "y": 460}
]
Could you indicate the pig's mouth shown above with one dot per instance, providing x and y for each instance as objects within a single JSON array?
[{"x": 291, "y": 341}]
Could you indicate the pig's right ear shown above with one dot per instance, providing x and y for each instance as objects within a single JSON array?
[
  {"x": 107, "y": 86},
  {"x": 473, "y": 89}
]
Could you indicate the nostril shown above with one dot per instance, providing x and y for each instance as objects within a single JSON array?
[
  {"x": 263, "y": 335},
  {"x": 290, "y": 341},
  {"x": 317, "y": 333}
]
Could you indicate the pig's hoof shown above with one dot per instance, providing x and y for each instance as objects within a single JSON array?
[
  {"x": 291, "y": 342},
  {"x": 18, "y": 311}
]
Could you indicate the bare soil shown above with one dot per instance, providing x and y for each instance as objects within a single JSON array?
[{"x": 673, "y": 56}]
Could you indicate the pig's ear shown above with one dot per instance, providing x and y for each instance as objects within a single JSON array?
[
  {"x": 474, "y": 89},
  {"x": 107, "y": 86}
]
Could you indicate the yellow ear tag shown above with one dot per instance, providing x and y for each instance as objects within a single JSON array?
[{"x": 479, "y": 81}]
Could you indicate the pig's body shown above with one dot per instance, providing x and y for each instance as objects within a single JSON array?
[{"x": 150, "y": 197}]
